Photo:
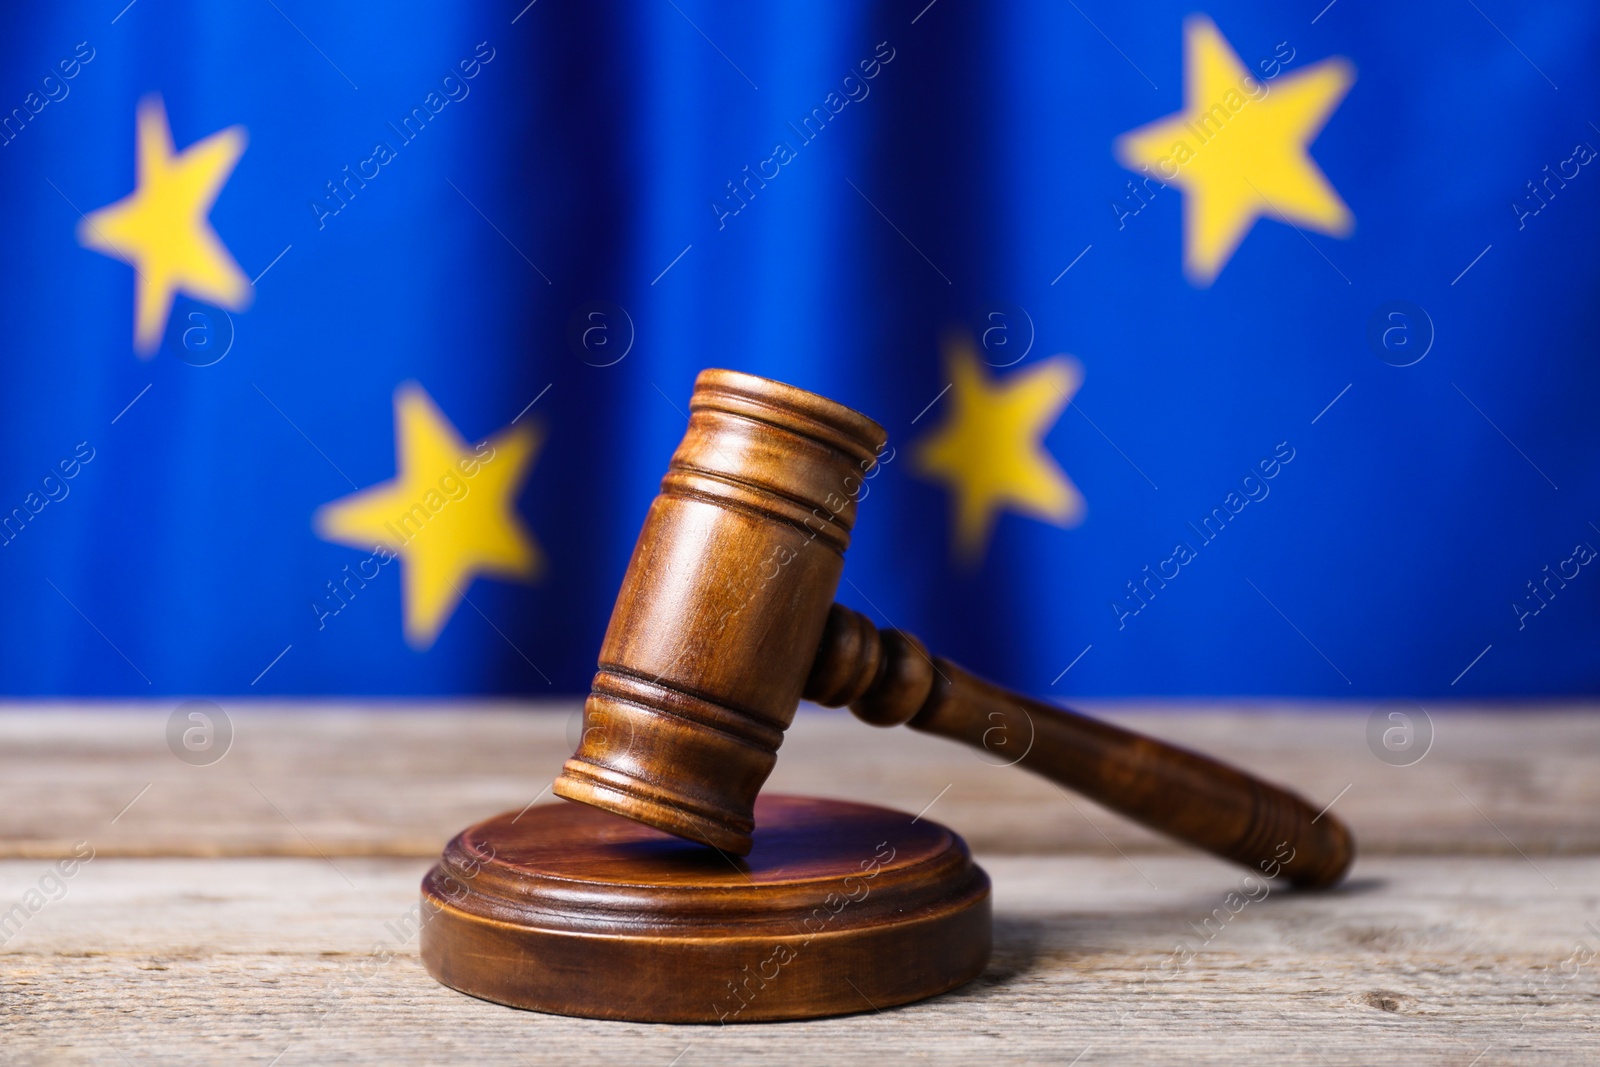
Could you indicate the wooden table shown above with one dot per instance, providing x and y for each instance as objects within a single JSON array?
[{"x": 254, "y": 910}]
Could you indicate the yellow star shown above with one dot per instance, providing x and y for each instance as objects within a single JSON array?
[
  {"x": 990, "y": 449},
  {"x": 449, "y": 514},
  {"x": 1239, "y": 149},
  {"x": 162, "y": 229}
]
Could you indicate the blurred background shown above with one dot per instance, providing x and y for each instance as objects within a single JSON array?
[{"x": 1244, "y": 350}]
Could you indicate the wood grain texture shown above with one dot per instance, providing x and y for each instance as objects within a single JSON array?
[
  {"x": 722, "y": 607},
  {"x": 1446, "y": 942},
  {"x": 572, "y": 910},
  {"x": 400, "y": 780},
  {"x": 887, "y": 678},
  {"x": 1416, "y": 961}
]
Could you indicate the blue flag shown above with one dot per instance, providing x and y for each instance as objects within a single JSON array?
[{"x": 1245, "y": 350}]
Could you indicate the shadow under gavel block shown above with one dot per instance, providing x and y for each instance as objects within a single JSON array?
[{"x": 724, "y": 620}]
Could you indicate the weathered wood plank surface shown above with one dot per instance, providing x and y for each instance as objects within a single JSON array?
[
  {"x": 254, "y": 911},
  {"x": 398, "y": 781},
  {"x": 291, "y": 961}
]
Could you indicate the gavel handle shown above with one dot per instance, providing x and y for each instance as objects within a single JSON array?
[{"x": 887, "y": 678}]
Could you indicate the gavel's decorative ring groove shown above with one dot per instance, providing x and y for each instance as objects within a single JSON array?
[{"x": 722, "y": 608}]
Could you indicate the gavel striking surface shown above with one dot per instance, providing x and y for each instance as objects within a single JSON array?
[{"x": 838, "y": 908}]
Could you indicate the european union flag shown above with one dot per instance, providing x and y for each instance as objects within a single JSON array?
[{"x": 1244, "y": 350}]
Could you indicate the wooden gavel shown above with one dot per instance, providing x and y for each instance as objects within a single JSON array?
[{"x": 725, "y": 620}]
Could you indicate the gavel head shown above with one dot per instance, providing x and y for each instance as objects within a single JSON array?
[{"x": 722, "y": 608}]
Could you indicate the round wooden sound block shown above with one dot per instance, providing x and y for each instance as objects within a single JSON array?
[{"x": 839, "y": 908}]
